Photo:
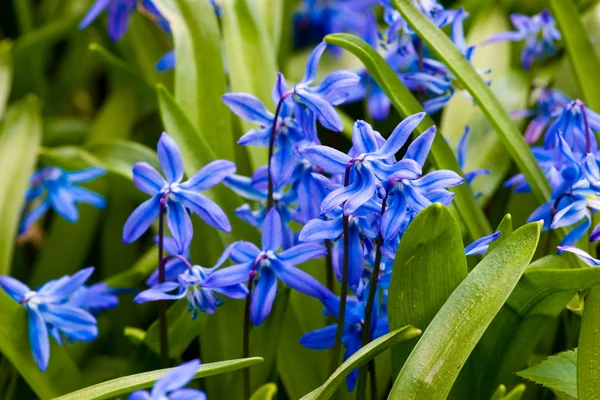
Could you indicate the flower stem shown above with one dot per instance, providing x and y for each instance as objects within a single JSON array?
[
  {"x": 335, "y": 360},
  {"x": 162, "y": 305},
  {"x": 366, "y": 333},
  {"x": 271, "y": 146},
  {"x": 246, "y": 348},
  {"x": 329, "y": 266}
]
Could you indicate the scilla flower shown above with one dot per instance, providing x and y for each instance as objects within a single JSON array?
[
  {"x": 49, "y": 312},
  {"x": 176, "y": 197},
  {"x": 58, "y": 189},
  {"x": 169, "y": 386},
  {"x": 119, "y": 12},
  {"x": 480, "y": 246}
]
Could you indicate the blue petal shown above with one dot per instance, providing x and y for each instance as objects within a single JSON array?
[
  {"x": 167, "y": 62},
  {"x": 280, "y": 88},
  {"x": 160, "y": 292},
  {"x": 140, "y": 219},
  {"x": 59, "y": 290},
  {"x": 583, "y": 256},
  {"x": 235, "y": 291},
  {"x": 569, "y": 215},
  {"x": 330, "y": 160},
  {"x": 176, "y": 378},
  {"x": 187, "y": 394},
  {"x": 38, "y": 338},
  {"x": 75, "y": 323},
  {"x": 147, "y": 179},
  {"x": 210, "y": 175},
  {"x": 313, "y": 62},
  {"x": 352, "y": 346},
  {"x": 378, "y": 103},
  {"x": 419, "y": 148},
  {"x": 320, "y": 339},
  {"x": 363, "y": 138},
  {"x": 322, "y": 109},
  {"x": 302, "y": 253},
  {"x": 394, "y": 216},
  {"x": 256, "y": 137},
  {"x": 205, "y": 208},
  {"x": 339, "y": 196},
  {"x": 243, "y": 251},
  {"x": 140, "y": 395},
  {"x": 249, "y": 108},
  {"x": 229, "y": 276},
  {"x": 576, "y": 233},
  {"x": 480, "y": 246},
  {"x": 368, "y": 185},
  {"x": 35, "y": 214},
  {"x": 331, "y": 85},
  {"x": 461, "y": 151},
  {"x": 14, "y": 288},
  {"x": 83, "y": 195},
  {"x": 85, "y": 175},
  {"x": 320, "y": 229},
  {"x": 399, "y": 136},
  {"x": 242, "y": 185},
  {"x": 118, "y": 18},
  {"x": 283, "y": 162},
  {"x": 170, "y": 158},
  {"x": 263, "y": 296},
  {"x": 439, "y": 179},
  {"x": 356, "y": 261},
  {"x": 180, "y": 225},
  {"x": 95, "y": 10},
  {"x": 63, "y": 204},
  {"x": 299, "y": 280},
  {"x": 271, "y": 231}
]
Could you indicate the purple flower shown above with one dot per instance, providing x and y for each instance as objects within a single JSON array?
[
  {"x": 169, "y": 386},
  {"x": 268, "y": 265},
  {"x": 176, "y": 197}
]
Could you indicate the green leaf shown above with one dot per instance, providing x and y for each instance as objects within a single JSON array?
[
  {"x": 541, "y": 295},
  {"x": 62, "y": 375},
  {"x": 138, "y": 272},
  {"x": 20, "y": 138},
  {"x": 119, "y": 156},
  {"x": 360, "y": 358},
  {"x": 6, "y": 72},
  {"x": 128, "y": 384},
  {"x": 505, "y": 228},
  {"x": 588, "y": 361},
  {"x": 199, "y": 76},
  {"x": 558, "y": 372},
  {"x": 429, "y": 266},
  {"x": 468, "y": 77},
  {"x": 438, "y": 357},
  {"x": 250, "y": 58},
  {"x": 582, "y": 56},
  {"x": 406, "y": 104},
  {"x": 272, "y": 15},
  {"x": 265, "y": 392}
]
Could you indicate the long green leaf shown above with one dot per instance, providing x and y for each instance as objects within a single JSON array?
[
  {"x": 559, "y": 373},
  {"x": 406, "y": 104},
  {"x": 468, "y": 77},
  {"x": 265, "y": 392},
  {"x": 199, "y": 76},
  {"x": 20, "y": 138},
  {"x": 360, "y": 358},
  {"x": 582, "y": 55},
  {"x": 436, "y": 361},
  {"x": 6, "y": 72},
  {"x": 120, "y": 386},
  {"x": 62, "y": 375},
  {"x": 588, "y": 359},
  {"x": 429, "y": 266}
]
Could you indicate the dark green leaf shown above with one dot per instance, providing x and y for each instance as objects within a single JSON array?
[
  {"x": 558, "y": 372},
  {"x": 588, "y": 360},
  {"x": 438, "y": 357}
]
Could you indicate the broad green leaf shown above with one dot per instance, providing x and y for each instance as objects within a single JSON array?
[
  {"x": 588, "y": 359},
  {"x": 582, "y": 56},
  {"x": 406, "y": 104},
  {"x": 268, "y": 391},
  {"x": 128, "y": 384},
  {"x": 541, "y": 294},
  {"x": 6, "y": 72},
  {"x": 250, "y": 58},
  {"x": 20, "y": 138},
  {"x": 62, "y": 375},
  {"x": 438, "y": 357},
  {"x": 272, "y": 14},
  {"x": 360, "y": 358},
  {"x": 199, "y": 76},
  {"x": 429, "y": 266},
  {"x": 468, "y": 77},
  {"x": 119, "y": 156},
  {"x": 558, "y": 372},
  {"x": 505, "y": 228}
]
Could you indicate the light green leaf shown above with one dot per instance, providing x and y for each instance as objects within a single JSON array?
[
  {"x": 199, "y": 76},
  {"x": 265, "y": 392},
  {"x": 360, "y": 358},
  {"x": 438, "y": 357},
  {"x": 128, "y": 384},
  {"x": 119, "y": 156},
  {"x": 505, "y": 228},
  {"x": 62, "y": 375},
  {"x": 588, "y": 360},
  {"x": 582, "y": 56},
  {"x": 6, "y": 72},
  {"x": 20, "y": 138},
  {"x": 272, "y": 15},
  {"x": 250, "y": 58},
  {"x": 429, "y": 266},
  {"x": 558, "y": 372},
  {"x": 439, "y": 43},
  {"x": 406, "y": 104}
]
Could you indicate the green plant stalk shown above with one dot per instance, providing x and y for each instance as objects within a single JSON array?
[
  {"x": 162, "y": 305},
  {"x": 588, "y": 356}
]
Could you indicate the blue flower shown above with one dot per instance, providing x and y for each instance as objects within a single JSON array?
[
  {"x": 268, "y": 265},
  {"x": 166, "y": 62},
  {"x": 480, "y": 246},
  {"x": 169, "y": 386},
  {"x": 549, "y": 104},
  {"x": 577, "y": 124},
  {"x": 176, "y": 197},
  {"x": 324, "y": 338},
  {"x": 96, "y": 298},
  {"x": 191, "y": 284},
  {"x": 539, "y": 33},
  {"x": 49, "y": 312},
  {"x": 174, "y": 265},
  {"x": 57, "y": 189},
  {"x": 119, "y": 12}
]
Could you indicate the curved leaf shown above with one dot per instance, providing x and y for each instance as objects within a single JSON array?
[
  {"x": 406, "y": 104},
  {"x": 20, "y": 138},
  {"x": 506, "y": 129},
  {"x": 588, "y": 359},
  {"x": 429, "y": 266},
  {"x": 116, "y": 387},
  {"x": 438, "y": 357},
  {"x": 265, "y": 392},
  {"x": 360, "y": 358}
]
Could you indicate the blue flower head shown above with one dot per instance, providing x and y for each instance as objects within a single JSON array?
[
  {"x": 49, "y": 311},
  {"x": 170, "y": 385},
  {"x": 539, "y": 33},
  {"x": 58, "y": 189},
  {"x": 174, "y": 266},
  {"x": 577, "y": 124},
  {"x": 175, "y": 196},
  {"x": 550, "y": 103},
  {"x": 96, "y": 298},
  {"x": 119, "y": 12},
  {"x": 266, "y": 265}
]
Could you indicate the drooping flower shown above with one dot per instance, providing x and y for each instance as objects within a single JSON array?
[
  {"x": 480, "y": 246},
  {"x": 49, "y": 312},
  {"x": 170, "y": 385},
  {"x": 539, "y": 33},
  {"x": 577, "y": 124},
  {"x": 175, "y": 196},
  {"x": 267, "y": 266},
  {"x": 174, "y": 265},
  {"x": 550, "y": 102},
  {"x": 58, "y": 189},
  {"x": 119, "y": 12}
]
